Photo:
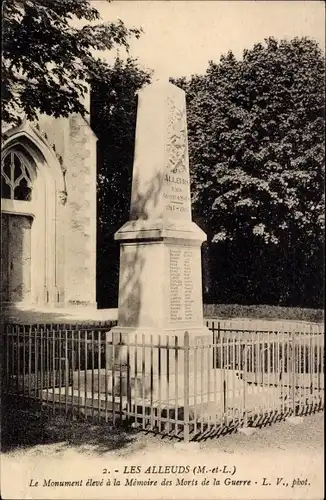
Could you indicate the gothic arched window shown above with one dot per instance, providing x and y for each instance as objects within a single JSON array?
[{"x": 16, "y": 181}]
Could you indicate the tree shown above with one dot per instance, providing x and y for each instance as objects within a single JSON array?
[
  {"x": 113, "y": 118},
  {"x": 47, "y": 59},
  {"x": 256, "y": 140}
]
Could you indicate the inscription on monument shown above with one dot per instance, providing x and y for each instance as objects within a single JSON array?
[
  {"x": 176, "y": 195},
  {"x": 175, "y": 285},
  {"x": 182, "y": 300},
  {"x": 188, "y": 285},
  {"x": 176, "y": 190}
]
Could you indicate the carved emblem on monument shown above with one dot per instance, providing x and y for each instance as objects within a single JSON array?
[
  {"x": 63, "y": 197},
  {"x": 177, "y": 138}
]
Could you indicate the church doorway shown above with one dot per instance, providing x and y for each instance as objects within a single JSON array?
[
  {"x": 33, "y": 221},
  {"x": 16, "y": 261},
  {"x": 17, "y": 218}
]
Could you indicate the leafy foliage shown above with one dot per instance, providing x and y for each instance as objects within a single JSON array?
[
  {"x": 256, "y": 140},
  {"x": 46, "y": 58}
]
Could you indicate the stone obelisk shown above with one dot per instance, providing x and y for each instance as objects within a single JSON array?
[{"x": 160, "y": 280}]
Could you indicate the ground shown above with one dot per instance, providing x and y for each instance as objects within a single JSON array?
[
  {"x": 283, "y": 453},
  {"x": 230, "y": 316},
  {"x": 282, "y": 461}
]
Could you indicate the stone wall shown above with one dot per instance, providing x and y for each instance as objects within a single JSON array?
[{"x": 80, "y": 237}]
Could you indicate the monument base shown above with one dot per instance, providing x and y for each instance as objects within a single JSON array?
[
  {"x": 160, "y": 364},
  {"x": 136, "y": 333}
]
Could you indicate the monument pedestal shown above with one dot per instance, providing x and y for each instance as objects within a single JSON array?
[
  {"x": 160, "y": 301},
  {"x": 160, "y": 276}
]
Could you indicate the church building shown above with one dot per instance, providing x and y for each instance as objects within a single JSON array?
[{"x": 48, "y": 213}]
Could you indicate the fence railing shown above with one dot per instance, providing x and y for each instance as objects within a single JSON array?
[{"x": 179, "y": 385}]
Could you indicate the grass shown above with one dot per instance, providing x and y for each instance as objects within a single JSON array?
[
  {"x": 262, "y": 312},
  {"x": 211, "y": 311}
]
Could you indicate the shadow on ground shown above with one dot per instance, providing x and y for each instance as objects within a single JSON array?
[
  {"x": 15, "y": 314},
  {"x": 24, "y": 426}
]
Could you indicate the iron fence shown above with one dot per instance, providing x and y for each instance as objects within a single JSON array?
[{"x": 179, "y": 385}]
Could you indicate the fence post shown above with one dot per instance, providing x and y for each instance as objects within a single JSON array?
[
  {"x": 186, "y": 388},
  {"x": 214, "y": 343},
  {"x": 293, "y": 372},
  {"x": 245, "y": 385},
  {"x": 66, "y": 377},
  {"x": 218, "y": 362},
  {"x": 5, "y": 357}
]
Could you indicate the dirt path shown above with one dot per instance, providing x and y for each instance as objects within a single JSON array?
[{"x": 289, "y": 457}]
